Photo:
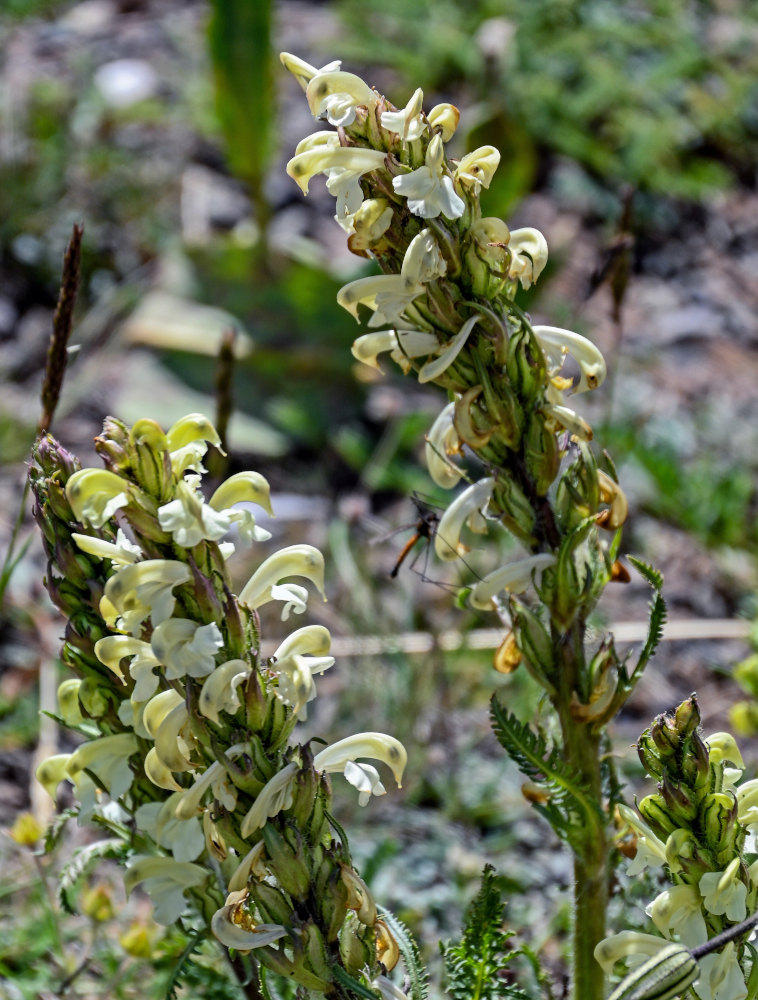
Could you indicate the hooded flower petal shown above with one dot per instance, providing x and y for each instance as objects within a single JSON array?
[
  {"x": 476, "y": 169},
  {"x": 447, "y": 538},
  {"x": 721, "y": 977},
  {"x": 402, "y": 343},
  {"x": 336, "y": 95},
  {"x": 441, "y": 441},
  {"x": 219, "y": 692},
  {"x": 352, "y": 162},
  {"x": 244, "y": 487},
  {"x": 294, "y": 560},
  {"x": 233, "y": 936},
  {"x": 625, "y": 944},
  {"x": 121, "y": 553},
  {"x": 514, "y": 577},
  {"x": 378, "y": 746},
  {"x": 556, "y": 342},
  {"x": 303, "y": 71},
  {"x": 95, "y": 495},
  {"x": 528, "y": 255},
  {"x": 275, "y": 795}
]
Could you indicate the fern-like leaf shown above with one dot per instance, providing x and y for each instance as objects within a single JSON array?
[
  {"x": 83, "y": 861},
  {"x": 417, "y": 974},
  {"x": 56, "y": 828},
  {"x": 569, "y": 807},
  {"x": 183, "y": 964},
  {"x": 657, "y": 617},
  {"x": 476, "y": 965}
]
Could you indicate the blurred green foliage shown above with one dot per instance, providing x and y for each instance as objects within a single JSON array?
[{"x": 660, "y": 94}]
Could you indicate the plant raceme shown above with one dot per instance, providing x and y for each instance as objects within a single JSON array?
[
  {"x": 189, "y": 749},
  {"x": 444, "y": 310}
]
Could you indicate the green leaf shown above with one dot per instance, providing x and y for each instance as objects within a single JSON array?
[
  {"x": 570, "y": 808},
  {"x": 474, "y": 967},
  {"x": 352, "y": 984},
  {"x": 657, "y": 617},
  {"x": 56, "y": 828},
  {"x": 83, "y": 861},
  {"x": 239, "y": 36}
]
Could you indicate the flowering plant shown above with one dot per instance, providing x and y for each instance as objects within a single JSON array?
[{"x": 190, "y": 757}]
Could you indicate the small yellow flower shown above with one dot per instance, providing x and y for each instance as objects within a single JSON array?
[{"x": 26, "y": 830}]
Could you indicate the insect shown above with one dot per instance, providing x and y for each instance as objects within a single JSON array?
[{"x": 425, "y": 528}]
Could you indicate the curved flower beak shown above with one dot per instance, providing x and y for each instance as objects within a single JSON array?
[
  {"x": 528, "y": 255},
  {"x": 230, "y": 933},
  {"x": 95, "y": 495},
  {"x": 477, "y": 168},
  {"x": 514, "y": 577},
  {"x": 445, "y": 118},
  {"x": 447, "y": 538},
  {"x": 403, "y": 344},
  {"x": 441, "y": 441},
  {"x": 354, "y": 159},
  {"x": 557, "y": 342},
  {"x": 219, "y": 692},
  {"x": 302, "y": 71},
  {"x": 378, "y": 746},
  {"x": 335, "y": 95},
  {"x": 294, "y": 560}
]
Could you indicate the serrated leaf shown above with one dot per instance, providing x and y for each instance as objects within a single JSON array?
[
  {"x": 657, "y": 618},
  {"x": 417, "y": 974},
  {"x": 83, "y": 861},
  {"x": 352, "y": 984},
  {"x": 181, "y": 965},
  {"x": 474, "y": 966},
  {"x": 570, "y": 806},
  {"x": 56, "y": 828}
]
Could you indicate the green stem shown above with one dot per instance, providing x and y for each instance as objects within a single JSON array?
[{"x": 582, "y": 748}]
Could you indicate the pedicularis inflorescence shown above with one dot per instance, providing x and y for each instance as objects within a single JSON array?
[
  {"x": 189, "y": 751},
  {"x": 444, "y": 310}
]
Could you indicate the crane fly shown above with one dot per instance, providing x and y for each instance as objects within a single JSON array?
[{"x": 425, "y": 528}]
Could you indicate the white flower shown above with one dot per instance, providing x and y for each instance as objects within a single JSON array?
[
  {"x": 650, "y": 850},
  {"x": 429, "y": 189},
  {"x": 275, "y": 796},
  {"x": 678, "y": 909},
  {"x": 185, "y": 648},
  {"x": 145, "y": 588},
  {"x": 183, "y": 837},
  {"x": 389, "y": 295},
  {"x": 556, "y": 343},
  {"x": 164, "y": 880},
  {"x": 215, "y": 778},
  {"x": 121, "y": 552},
  {"x": 403, "y": 345},
  {"x": 725, "y": 893},
  {"x": 189, "y": 519},
  {"x": 297, "y": 659},
  {"x": 720, "y": 977},
  {"x": 336, "y": 95},
  {"x": 476, "y": 169},
  {"x": 444, "y": 118},
  {"x": 388, "y": 990},
  {"x": 95, "y": 495},
  {"x": 343, "y": 166},
  {"x": 447, "y": 538},
  {"x": 303, "y": 71},
  {"x": 626, "y": 944},
  {"x": 441, "y": 441},
  {"x": 528, "y": 255},
  {"x": 230, "y": 933},
  {"x": 113, "y": 648},
  {"x": 408, "y": 123},
  {"x": 514, "y": 577},
  {"x": 341, "y": 756},
  {"x": 219, "y": 692},
  {"x": 294, "y": 560},
  {"x": 188, "y": 440}
]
